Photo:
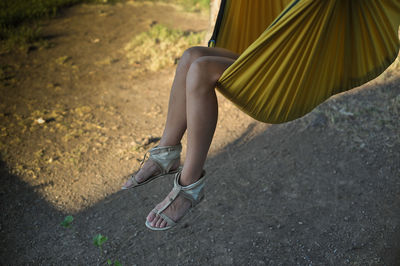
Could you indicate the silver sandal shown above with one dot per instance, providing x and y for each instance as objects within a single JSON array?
[
  {"x": 164, "y": 157},
  {"x": 193, "y": 192}
]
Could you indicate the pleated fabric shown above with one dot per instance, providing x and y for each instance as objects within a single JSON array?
[
  {"x": 313, "y": 50},
  {"x": 245, "y": 20}
]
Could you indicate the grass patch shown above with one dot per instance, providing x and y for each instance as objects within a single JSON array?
[
  {"x": 188, "y": 5},
  {"x": 160, "y": 47},
  {"x": 20, "y": 35},
  {"x": 19, "y": 19},
  {"x": 13, "y": 13},
  {"x": 195, "y": 5}
]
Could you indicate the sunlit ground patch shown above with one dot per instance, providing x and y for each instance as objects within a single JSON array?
[{"x": 160, "y": 47}]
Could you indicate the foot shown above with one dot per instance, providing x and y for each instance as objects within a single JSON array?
[
  {"x": 175, "y": 211},
  {"x": 148, "y": 170}
]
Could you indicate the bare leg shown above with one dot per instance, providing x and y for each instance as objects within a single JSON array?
[
  {"x": 176, "y": 124},
  {"x": 202, "y": 113}
]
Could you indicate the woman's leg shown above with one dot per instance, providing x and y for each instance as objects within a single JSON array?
[
  {"x": 202, "y": 113},
  {"x": 176, "y": 124}
]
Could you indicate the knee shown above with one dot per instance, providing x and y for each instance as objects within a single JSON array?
[
  {"x": 204, "y": 69},
  {"x": 201, "y": 77},
  {"x": 192, "y": 54}
]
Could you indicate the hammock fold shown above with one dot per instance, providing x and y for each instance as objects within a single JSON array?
[
  {"x": 305, "y": 53},
  {"x": 244, "y": 20}
]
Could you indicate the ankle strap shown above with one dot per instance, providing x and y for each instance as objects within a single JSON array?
[
  {"x": 159, "y": 149},
  {"x": 166, "y": 156},
  {"x": 193, "y": 192}
]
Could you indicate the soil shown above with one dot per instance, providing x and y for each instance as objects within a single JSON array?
[{"x": 75, "y": 120}]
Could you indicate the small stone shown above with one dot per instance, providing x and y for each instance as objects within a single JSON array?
[{"x": 40, "y": 121}]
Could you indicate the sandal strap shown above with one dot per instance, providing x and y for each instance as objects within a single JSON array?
[
  {"x": 163, "y": 171},
  {"x": 169, "y": 221},
  {"x": 133, "y": 180},
  {"x": 172, "y": 197},
  {"x": 192, "y": 192},
  {"x": 165, "y": 156}
]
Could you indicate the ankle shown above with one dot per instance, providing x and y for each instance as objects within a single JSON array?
[
  {"x": 165, "y": 143},
  {"x": 188, "y": 179}
]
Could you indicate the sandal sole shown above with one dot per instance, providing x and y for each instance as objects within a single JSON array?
[{"x": 151, "y": 179}]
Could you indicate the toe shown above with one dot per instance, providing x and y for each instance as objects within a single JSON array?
[
  {"x": 127, "y": 184},
  {"x": 159, "y": 222},
  {"x": 151, "y": 217},
  {"x": 155, "y": 220},
  {"x": 163, "y": 224}
]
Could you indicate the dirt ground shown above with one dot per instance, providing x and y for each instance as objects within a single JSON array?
[{"x": 75, "y": 119}]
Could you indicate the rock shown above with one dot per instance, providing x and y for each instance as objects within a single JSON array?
[{"x": 40, "y": 121}]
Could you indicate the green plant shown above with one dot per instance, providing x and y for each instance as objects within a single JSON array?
[
  {"x": 99, "y": 240},
  {"x": 160, "y": 47},
  {"x": 67, "y": 221},
  {"x": 116, "y": 263},
  {"x": 188, "y": 5},
  {"x": 195, "y": 5}
]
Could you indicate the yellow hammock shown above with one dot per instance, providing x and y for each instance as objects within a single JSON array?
[{"x": 308, "y": 50}]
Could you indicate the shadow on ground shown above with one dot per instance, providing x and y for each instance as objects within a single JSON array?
[{"x": 306, "y": 192}]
